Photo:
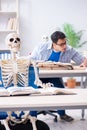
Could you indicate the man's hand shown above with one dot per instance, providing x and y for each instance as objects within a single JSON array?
[{"x": 84, "y": 64}]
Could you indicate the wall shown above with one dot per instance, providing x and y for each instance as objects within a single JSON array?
[{"x": 40, "y": 18}]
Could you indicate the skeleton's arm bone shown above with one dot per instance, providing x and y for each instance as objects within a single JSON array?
[{"x": 38, "y": 82}]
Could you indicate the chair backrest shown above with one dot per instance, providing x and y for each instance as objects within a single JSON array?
[{"x": 5, "y": 54}]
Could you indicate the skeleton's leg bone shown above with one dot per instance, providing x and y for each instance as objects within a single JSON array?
[
  {"x": 5, "y": 123},
  {"x": 33, "y": 121}
]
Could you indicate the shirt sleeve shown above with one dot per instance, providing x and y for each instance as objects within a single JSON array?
[
  {"x": 35, "y": 55},
  {"x": 41, "y": 52},
  {"x": 77, "y": 57}
]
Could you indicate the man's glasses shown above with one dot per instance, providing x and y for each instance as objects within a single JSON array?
[{"x": 62, "y": 44}]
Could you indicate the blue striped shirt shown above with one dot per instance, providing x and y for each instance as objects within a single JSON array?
[{"x": 44, "y": 50}]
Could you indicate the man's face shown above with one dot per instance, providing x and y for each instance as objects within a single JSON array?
[{"x": 60, "y": 45}]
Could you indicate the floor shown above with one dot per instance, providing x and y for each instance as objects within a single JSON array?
[{"x": 77, "y": 124}]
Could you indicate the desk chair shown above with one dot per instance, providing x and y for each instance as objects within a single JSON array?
[
  {"x": 5, "y": 54},
  {"x": 57, "y": 82},
  {"x": 50, "y": 112}
]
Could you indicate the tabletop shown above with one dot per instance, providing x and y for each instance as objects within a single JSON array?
[{"x": 38, "y": 102}]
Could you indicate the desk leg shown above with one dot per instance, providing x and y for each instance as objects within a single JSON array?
[
  {"x": 85, "y": 82},
  {"x": 82, "y": 86},
  {"x": 83, "y": 114},
  {"x": 83, "y": 110}
]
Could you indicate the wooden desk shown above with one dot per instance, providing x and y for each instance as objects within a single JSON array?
[
  {"x": 62, "y": 73},
  {"x": 66, "y": 73},
  {"x": 15, "y": 103}
]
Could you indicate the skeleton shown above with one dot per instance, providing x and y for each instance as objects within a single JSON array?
[{"x": 15, "y": 71}]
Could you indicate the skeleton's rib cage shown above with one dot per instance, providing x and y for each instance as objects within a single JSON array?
[{"x": 15, "y": 72}]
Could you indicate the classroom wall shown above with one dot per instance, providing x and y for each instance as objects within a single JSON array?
[{"x": 39, "y": 18}]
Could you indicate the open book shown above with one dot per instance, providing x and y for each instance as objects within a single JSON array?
[
  {"x": 54, "y": 91},
  {"x": 54, "y": 65},
  {"x": 13, "y": 91},
  {"x": 17, "y": 91}
]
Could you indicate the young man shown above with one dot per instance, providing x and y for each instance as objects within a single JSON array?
[{"x": 58, "y": 50}]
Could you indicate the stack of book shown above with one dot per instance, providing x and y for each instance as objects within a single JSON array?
[
  {"x": 12, "y": 24},
  {"x": 55, "y": 65}
]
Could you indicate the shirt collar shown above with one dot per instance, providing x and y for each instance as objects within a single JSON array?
[{"x": 49, "y": 46}]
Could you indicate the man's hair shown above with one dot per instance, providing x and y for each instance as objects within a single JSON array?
[{"x": 57, "y": 35}]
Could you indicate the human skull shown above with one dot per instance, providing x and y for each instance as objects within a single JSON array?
[{"x": 13, "y": 42}]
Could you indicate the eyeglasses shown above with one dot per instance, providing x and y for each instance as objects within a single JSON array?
[{"x": 62, "y": 44}]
